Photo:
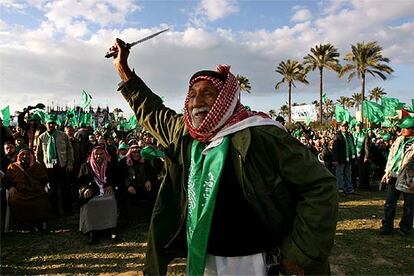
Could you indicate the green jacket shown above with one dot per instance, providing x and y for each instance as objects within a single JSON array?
[{"x": 287, "y": 186}]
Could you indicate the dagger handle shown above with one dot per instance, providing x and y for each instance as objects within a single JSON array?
[{"x": 115, "y": 52}]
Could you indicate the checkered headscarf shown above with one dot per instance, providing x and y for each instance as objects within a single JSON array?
[{"x": 227, "y": 109}]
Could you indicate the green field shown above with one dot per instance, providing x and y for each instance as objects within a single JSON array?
[{"x": 358, "y": 249}]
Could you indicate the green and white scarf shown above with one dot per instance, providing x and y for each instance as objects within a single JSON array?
[
  {"x": 398, "y": 157},
  {"x": 359, "y": 138},
  {"x": 349, "y": 146},
  {"x": 51, "y": 155},
  {"x": 204, "y": 176}
]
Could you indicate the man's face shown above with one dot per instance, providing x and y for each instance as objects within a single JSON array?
[
  {"x": 122, "y": 152},
  {"x": 358, "y": 128},
  {"x": 201, "y": 99},
  {"x": 51, "y": 126},
  {"x": 92, "y": 139},
  {"x": 344, "y": 128},
  {"x": 99, "y": 156},
  {"x": 303, "y": 140},
  {"x": 407, "y": 132},
  {"x": 110, "y": 141},
  {"x": 9, "y": 149},
  {"x": 19, "y": 141},
  {"x": 69, "y": 131},
  {"x": 135, "y": 153},
  {"x": 25, "y": 157},
  {"x": 32, "y": 123}
]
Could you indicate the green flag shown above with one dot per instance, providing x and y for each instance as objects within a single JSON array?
[
  {"x": 86, "y": 118},
  {"x": 411, "y": 108},
  {"x": 324, "y": 98},
  {"x": 5, "y": 112},
  {"x": 373, "y": 111},
  {"x": 352, "y": 122},
  {"x": 307, "y": 120},
  {"x": 390, "y": 106},
  {"x": 341, "y": 113},
  {"x": 86, "y": 100},
  {"x": 388, "y": 123},
  {"x": 132, "y": 122}
]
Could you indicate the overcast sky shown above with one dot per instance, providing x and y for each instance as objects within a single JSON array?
[{"x": 52, "y": 50}]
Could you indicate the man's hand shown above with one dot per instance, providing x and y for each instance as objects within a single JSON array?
[
  {"x": 12, "y": 191},
  {"x": 108, "y": 190},
  {"x": 87, "y": 193},
  {"x": 290, "y": 268},
  {"x": 132, "y": 190},
  {"x": 121, "y": 60},
  {"x": 148, "y": 186},
  {"x": 385, "y": 179}
]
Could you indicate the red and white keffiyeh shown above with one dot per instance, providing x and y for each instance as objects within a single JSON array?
[
  {"x": 227, "y": 109},
  {"x": 99, "y": 170}
]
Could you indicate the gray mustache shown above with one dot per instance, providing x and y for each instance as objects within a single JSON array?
[{"x": 200, "y": 109}]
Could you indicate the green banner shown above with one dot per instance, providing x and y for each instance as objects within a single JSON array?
[
  {"x": 86, "y": 100},
  {"x": 373, "y": 111},
  {"x": 5, "y": 112},
  {"x": 391, "y": 105},
  {"x": 341, "y": 113}
]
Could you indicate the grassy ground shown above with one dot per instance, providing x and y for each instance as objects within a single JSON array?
[{"x": 358, "y": 249}]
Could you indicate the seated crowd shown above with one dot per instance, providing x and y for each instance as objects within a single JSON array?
[{"x": 49, "y": 171}]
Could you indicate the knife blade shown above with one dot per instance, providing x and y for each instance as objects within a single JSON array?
[{"x": 129, "y": 45}]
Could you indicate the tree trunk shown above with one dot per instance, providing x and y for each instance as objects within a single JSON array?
[
  {"x": 290, "y": 103},
  {"x": 363, "y": 97},
  {"x": 320, "y": 94}
]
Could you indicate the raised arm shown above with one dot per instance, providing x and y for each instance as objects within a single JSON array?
[{"x": 163, "y": 123}]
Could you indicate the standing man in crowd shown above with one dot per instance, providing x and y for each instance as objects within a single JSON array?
[
  {"x": 231, "y": 188},
  {"x": 362, "y": 153},
  {"x": 55, "y": 152},
  {"x": 31, "y": 129},
  {"x": 343, "y": 154},
  {"x": 6, "y": 135},
  {"x": 79, "y": 158},
  {"x": 399, "y": 177}
]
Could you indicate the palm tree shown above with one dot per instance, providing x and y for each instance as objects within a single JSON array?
[
  {"x": 322, "y": 56},
  {"x": 344, "y": 101},
  {"x": 244, "y": 83},
  {"x": 376, "y": 93},
  {"x": 366, "y": 58},
  {"x": 284, "y": 110},
  {"x": 357, "y": 99},
  {"x": 291, "y": 70}
]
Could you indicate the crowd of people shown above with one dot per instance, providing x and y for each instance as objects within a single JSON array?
[{"x": 50, "y": 170}]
